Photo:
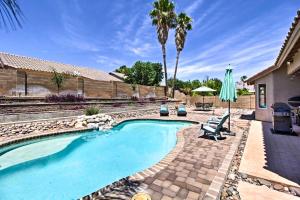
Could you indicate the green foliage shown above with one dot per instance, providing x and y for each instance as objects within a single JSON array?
[
  {"x": 145, "y": 73},
  {"x": 92, "y": 111},
  {"x": 11, "y": 14},
  {"x": 58, "y": 79},
  {"x": 214, "y": 83},
  {"x": 123, "y": 69},
  {"x": 183, "y": 24},
  {"x": 187, "y": 86},
  {"x": 243, "y": 91}
]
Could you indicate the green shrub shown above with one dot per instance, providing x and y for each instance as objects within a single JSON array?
[{"x": 92, "y": 111}]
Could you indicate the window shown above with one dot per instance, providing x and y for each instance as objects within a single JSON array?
[{"x": 262, "y": 98}]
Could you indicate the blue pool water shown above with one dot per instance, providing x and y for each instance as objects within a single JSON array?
[{"x": 74, "y": 165}]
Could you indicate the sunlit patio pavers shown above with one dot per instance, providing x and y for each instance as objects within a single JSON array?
[{"x": 195, "y": 169}]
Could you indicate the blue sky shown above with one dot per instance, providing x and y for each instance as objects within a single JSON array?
[{"x": 106, "y": 34}]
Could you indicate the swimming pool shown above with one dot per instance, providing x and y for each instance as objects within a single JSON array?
[{"x": 74, "y": 165}]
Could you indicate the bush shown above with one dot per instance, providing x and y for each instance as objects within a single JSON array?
[
  {"x": 134, "y": 98},
  {"x": 92, "y": 111},
  {"x": 64, "y": 98},
  {"x": 152, "y": 99}
]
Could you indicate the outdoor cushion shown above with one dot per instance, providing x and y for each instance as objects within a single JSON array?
[{"x": 181, "y": 109}]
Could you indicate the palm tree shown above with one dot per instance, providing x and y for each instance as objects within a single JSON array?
[
  {"x": 164, "y": 18},
  {"x": 10, "y": 14},
  {"x": 184, "y": 24},
  {"x": 243, "y": 79}
]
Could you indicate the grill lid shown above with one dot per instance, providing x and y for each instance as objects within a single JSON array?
[
  {"x": 294, "y": 101},
  {"x": 281, "y": 107}
]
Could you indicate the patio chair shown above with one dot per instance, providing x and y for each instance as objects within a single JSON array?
[
  {"x": 164, "y": 110},
  {"x": 181, "y": 110},
  {"x": 214, "y": 129},
  {"x": 217, "y": 119}
]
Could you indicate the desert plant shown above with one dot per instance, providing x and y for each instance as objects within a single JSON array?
[
  {"x": 152, "y": 99},
  {"x": 64, "y": 98},
  {"x": 58, "y": 79},
  {"x": 92, "y": 111},
  {"x": 134, "y": 98}
]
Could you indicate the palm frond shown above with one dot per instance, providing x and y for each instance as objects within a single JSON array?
[{"x": 10, "y": 14}]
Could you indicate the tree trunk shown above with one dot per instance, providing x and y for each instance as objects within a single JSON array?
[
  {"x": 175, "y": 73},
  {"x": 165, "y": 68}
]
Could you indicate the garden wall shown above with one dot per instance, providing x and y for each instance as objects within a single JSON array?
[{"x": 39, "y": 84}]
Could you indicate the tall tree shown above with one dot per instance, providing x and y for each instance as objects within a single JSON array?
[
  {"x": 145, "y": 73},
  {"x": 184, "y": 24},
  {"x": 164, "y": 18},
  {"x": 10, "y": 14}
]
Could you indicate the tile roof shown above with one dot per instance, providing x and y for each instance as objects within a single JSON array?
[
  {"x": 283, "y": 47},
  {"x": 289, "y": 34},
  {"x": 23, "y": 62}
]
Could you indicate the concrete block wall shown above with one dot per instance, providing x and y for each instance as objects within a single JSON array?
[{"x": 39, "y": 84}]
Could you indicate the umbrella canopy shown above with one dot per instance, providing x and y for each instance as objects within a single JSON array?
[
  {"x": 204, "y": 89},
  {"x": 228, "y": 90}
]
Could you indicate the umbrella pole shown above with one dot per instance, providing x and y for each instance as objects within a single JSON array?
[
  {"x": 229, "y": 116},
  {"x": 202, "y": 102}
]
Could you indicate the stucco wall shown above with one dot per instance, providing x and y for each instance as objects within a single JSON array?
[
  {"x": 265, "y": 114},
  {"x": 285, "y": 86}
]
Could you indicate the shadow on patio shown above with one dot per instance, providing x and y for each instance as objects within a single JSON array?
[{"x": 270, "y": 156}]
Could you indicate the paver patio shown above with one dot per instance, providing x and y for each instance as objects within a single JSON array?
[
  {"x": 271, "y": 156},
  {"x": 188, "y": 175}
]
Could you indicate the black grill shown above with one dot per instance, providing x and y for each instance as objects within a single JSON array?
[{"x": 282, "y": 121}]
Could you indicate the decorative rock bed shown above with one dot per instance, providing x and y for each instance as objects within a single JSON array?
[
  {"x": 99, "y": 121},
  {"x": 105, "y": 120}
]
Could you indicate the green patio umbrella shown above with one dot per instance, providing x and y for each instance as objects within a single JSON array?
[{"x": 228, "y": 90}]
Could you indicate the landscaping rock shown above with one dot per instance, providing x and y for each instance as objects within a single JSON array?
[
  {"x": 264, "y": 182},
  {"x": 278, "y": 187},
  {"x": 231, "y": 176},
  {"x": 295, "y": 191}
]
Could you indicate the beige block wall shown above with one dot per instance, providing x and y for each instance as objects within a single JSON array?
[
  {"x": 12, "y": 83},
  {"x": 285, "y": 86},
  {"x": 244, "y": 102},
  {"x": 8, "y": 81},
  {"x": 101, "y": 89}
]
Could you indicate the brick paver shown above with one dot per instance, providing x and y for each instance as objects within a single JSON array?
[{"x": 188, "y": 175}]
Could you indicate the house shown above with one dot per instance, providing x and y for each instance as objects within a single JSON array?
[
  {"x": 280, "y": 81},
  {"x": 25, "y": 76}
]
